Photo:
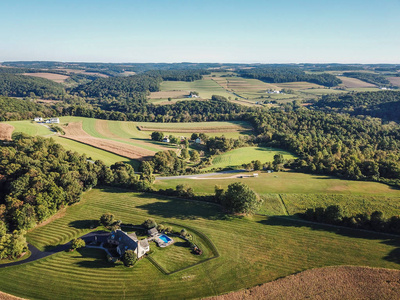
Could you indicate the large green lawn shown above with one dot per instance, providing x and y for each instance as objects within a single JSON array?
[
  {"x": 244, "y": 155},
  {"x": 252, "y": 250},
  {"x": 300, "y": 191}
]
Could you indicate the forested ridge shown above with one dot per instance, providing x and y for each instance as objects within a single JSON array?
[
  {"x": 284, "y": 74},
  {"x": 383, "y": 104},
  {"x": 21, "y": 86},
  {"x": 334, "y": 144},
  {"x": 12, "y": 109}
]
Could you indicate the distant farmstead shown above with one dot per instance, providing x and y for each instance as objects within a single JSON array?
[
  {"x": 38, "y": 119},
  {"x": 53, "y": 121}
]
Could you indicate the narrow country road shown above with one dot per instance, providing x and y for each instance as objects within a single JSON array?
[
  {"x": 200, "y": 175},
  {"x": 37, "y": 254}
]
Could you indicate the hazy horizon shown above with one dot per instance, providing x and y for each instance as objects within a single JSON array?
[{"x": 254, "y": 31}]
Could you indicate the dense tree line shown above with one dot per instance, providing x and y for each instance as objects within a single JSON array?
[
  {"x": 179, "y": 75},
  {"x": 38, "y": 177},
  {"x": 337, "y": 215},
  {"x": 21, "y": 86},
  {"x": 369, "y": 77},
  {"x": 382, "y": 104},
  {"x": 116, "y": 87},
  {"x": 285, "y": 74},
  {"x": 182, "y": 111},
  {"x": 12, "y": 109},
  {"x": 334, "y": 144}
]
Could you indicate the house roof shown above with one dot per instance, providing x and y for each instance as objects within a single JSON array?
[
  {"x": 126, "y": 242},
  {"x": 144, "y": 243},
  {"x": 152, "y": 230}
]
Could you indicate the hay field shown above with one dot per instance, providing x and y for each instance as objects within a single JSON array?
[
  {"x": 75, "y": 132},
  {"x": 169, "y": 94},
  {"x": 301, "y": 85},
  {"x": 206, "y": 127},
  {"x": 51, "y": 76},
  {"x": 349, "y": 82},
  {"x": 253, "y": 250},
  {"x": 237, "y": 157},
  {"x": 346, "y": 282},
  {"x": 6, "y": 131},
  {"x": 205, "y": 87},
  {"x": 394, "y": 80}
]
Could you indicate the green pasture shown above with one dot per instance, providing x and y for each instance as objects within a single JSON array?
[
  {"x": 240, "y": 156},
  {"x": 253, "y": 250},
  {"x": 301, "y": 191},
  {"x": 205, "y": 87},
  {"x": 31, "y": 128}
]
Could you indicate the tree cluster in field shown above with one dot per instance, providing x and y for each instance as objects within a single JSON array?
[
  {"x": 28, "y": 86},
  {"x": 178, "y": 75},
  {"x": 38, "y": 177},
  {"x": 238, "y": 198},
  {"x": 382, "y": 104},
  {"x": 285, "y": 74},
  {"x": 376, "y": 79},
  {"x": 333, "y": 143},
  {"x": 12, "y": 109},
  {"x": 337, "y": 215}
]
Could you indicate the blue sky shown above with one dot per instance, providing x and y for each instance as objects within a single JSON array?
[{"x": 266, "y": 31}]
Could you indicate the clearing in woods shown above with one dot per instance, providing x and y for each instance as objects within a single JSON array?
[
  {"x": 51, "y": 76},
  {"x": 253, "y": 250},
  {"x": 6, "y": 131}
]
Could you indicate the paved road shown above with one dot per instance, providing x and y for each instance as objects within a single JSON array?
[
  {"x": 200, "y": 175},
  {"x": 37, "y": 254}
]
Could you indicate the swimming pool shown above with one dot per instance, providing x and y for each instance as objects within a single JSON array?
[{"x": 164, "y": 238}]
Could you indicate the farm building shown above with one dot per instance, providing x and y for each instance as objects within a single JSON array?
[
  {"x": 193, "y": 96},
  {"x": 165, "y": 140},
  {"x": 152, "y": 231},
  {"x": 198, "y": 141},
  {"x": 38, "y": 119},
  {"x": 126, "y": 242},
  {"x": 53, "y": 121},
  {"x": 273, "y": 92}
]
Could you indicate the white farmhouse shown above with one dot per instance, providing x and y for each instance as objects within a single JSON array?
[
  {"x": 38, "y": 119},
  {"x": 53, "y": 121}
]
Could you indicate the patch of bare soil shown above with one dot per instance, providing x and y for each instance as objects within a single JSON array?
[
  {"x": 4, "y": 296},
  {"x": 345, "y": 282},
  {"x": 75, "y": 132},
  {"x": 6, "y": 131},
  {"x": 51, "y": 76},
  {"x": 354, "y": 82},
  {"x": 394, "y": 80}
]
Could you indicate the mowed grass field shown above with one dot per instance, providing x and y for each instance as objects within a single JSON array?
[
  {"x": 128, "y": 134},
  {"x": 240, "y": 156},
  {"x": 253, "y": 250},
  {"x": 300, "y": 191}
]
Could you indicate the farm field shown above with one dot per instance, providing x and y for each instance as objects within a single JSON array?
[
  {"x": 320, "y": 92},
  {"x": 344, "y": 282},
  {"x": 350, "y": 82},
  {"x": 6, "y": 131},
  {"x": 274, "y": 247},
  {"x": 240, "y": 156},
  {"x": 51, "y": 76},
  {"x": 394, "y": 80},
  {"x": 300, "y": 191},
  {"x": 113, "y": 141}
]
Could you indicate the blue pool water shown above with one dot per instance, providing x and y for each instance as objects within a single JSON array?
[{"x": 164, "y": 238}]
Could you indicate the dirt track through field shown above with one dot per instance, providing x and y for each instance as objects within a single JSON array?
[
  {"x": 75, "y": 132},
  {"x": 344, "y": 282},
  {"x": 101, "y": 127},
  {"x": 6, "y": 131}
]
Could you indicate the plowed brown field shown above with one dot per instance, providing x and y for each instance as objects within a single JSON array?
[
  {"x": 75, "y": 132},
  {"x": 6, "y": 131},
  {"x": 346, "y": 282}
]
